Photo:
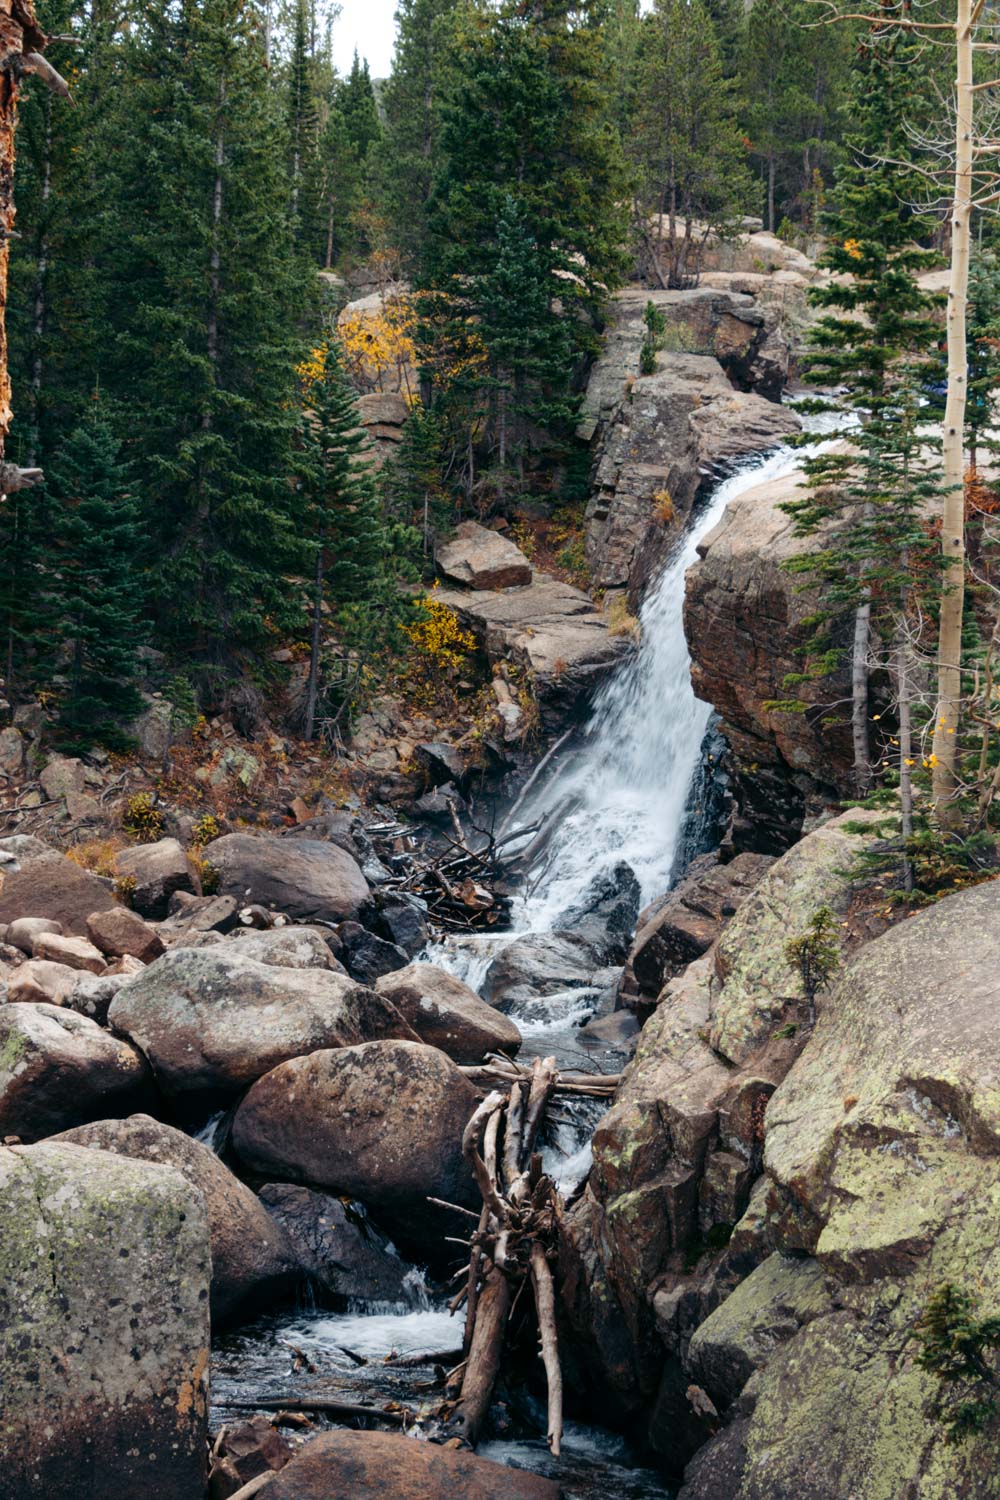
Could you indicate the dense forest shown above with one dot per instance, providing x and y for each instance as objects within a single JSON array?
[{"x": 168, "y": 329}]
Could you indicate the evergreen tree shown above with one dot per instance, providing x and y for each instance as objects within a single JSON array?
[
  {"x": 352, "y": 577},
  {"x": 689, "y": 152},
  {"x": 303, "y": 131},
  {"x": 200, "y": 341},
  {"x": 357, "y": 103},
  {"x": 872, "y": 341},
  {"x": 97, "y": 531},
  {"x": 412, "y": 487},
  {"x": 407, "y": 154}
]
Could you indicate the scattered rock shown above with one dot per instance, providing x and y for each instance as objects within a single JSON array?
[
  {"x": 211, "y": 1021},
  {"x": 190, "y": 915},
  {"x": 23, "y": 932},
  {"x": 446, "y": 1013},
  {"x": 374, "y": 1465},
  {"x": 158, "y": 870},
  {"x": 381, "y": 1122},
  {"x": 47, "y": 884},
  {"x": 252, "y": 1259},
  {"x": 303, "y": 877},
  {"x": 83, "y": 809},
  {"x": 59, "y": 1069},
  {"x": 401, "y": 921},
  {"x": 119, "y": 931},
  {"x": 92, "y": 994},
  {"x": 39, "y": 981},
  {"x": 246, "y": 1450},
  {"x": 337, "y": 1244},
  {"x": 74, "y": 952},
  {"x": 482, "y": 559},
  {"x": 62, "y": 774},
  {"x": 104, "y": 1326},
  {"x": 12, "y": 751},
  {"x": 368, "y": 957}
]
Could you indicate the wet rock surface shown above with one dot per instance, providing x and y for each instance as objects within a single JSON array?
[{"x": 337, "y": 1245}]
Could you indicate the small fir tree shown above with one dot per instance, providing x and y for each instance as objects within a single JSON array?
[{"x": 97, "y": 533}]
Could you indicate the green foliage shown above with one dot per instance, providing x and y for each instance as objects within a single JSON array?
[
  {"x": 955, "y": 1345},
  {"x": 815, "y": 954}
]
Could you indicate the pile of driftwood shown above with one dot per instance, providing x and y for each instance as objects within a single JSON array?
[
  {"x": 463, "y": 887},
  {"x": 514, "y": 1241}
]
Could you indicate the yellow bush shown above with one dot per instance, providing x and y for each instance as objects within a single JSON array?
[
  {"x": 205, "y": 830},
  {"x": 142, "y": 819},
  {"x": 438, "y": 636}
]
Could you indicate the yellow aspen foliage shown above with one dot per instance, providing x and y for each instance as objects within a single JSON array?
[{"x": 438, "y": 636}]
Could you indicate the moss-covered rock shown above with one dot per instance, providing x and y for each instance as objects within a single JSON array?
[{"x": 104, "y": 1277}]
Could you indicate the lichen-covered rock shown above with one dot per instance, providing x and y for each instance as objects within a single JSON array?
[
  {"x": 211, "y": 1021},
  {"x": 252, "y": 1257},
  {"x": 883, "y": 1161},
  {"x": 446, "y": 1013},
  {"x": 104, "y": 1327},
  {"x": 381, "y": 1122},
  {"x": 305, "y": 878},
  {"x": 755, "y": 988},
  {"x": 286, "y": 947},
  {"x": 59, "y": 1069}
]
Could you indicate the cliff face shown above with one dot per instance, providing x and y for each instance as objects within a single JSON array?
[
  {"x": 658, "y": 437},
  {"x": 744, "y": 618}
]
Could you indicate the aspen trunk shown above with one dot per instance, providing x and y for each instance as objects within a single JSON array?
[
  {"x": 949, "y": 675},
  {"x": 312, "y": 690}
]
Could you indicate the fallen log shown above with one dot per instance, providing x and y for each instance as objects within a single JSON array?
[{"x": 328, "y": 1404}]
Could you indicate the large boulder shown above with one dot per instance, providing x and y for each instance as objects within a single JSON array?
[
  {"x": 286, "y": 947},
  {"x": 747, "y": 618},
  {"x": 252, "y": 1258},
  {"x": 381, "y": 1122},
  {"x": 39, "y": 980},
  {"x": 303, "y": 877},
  {"x": 375, "y": 1465},
  {"x": 604, "y": 916},
  {"x": 104, "y": 1327},
  {"x": 155, "y": 872},
  {"x": 482, "y": 559},
  {"x": 337, "y": 1245},
  {"x": 119, "y": 931},
  {"x": 59, "y": 1069},
  {"x": 883, "y": 1167},
  {"x": 44, "y": 883},
  {"x": 534, "y": 965},
  {"x": 446, "y": 1013},
  {"x": 211, "y": 1021}
]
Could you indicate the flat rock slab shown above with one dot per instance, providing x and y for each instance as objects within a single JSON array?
[
  {"x": 380, "y": 1465},
  {"x": 104, "y": 1327}
]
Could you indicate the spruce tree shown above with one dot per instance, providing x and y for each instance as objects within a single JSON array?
[
  {"x": 99, "y": 586},
  {"x": 302, "y": 131},
  {"x": 357, "y": 103},
  {"x": 688, "y": 149},
  {"x": 407, "y": 155},
  {"x": 872, "y": 341},
  {"x": 351, "y": 575},
  {"x": 201, "y": 338}
]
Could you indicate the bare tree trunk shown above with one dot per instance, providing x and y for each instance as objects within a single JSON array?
[
  {"x": 312, "y": 689},
  {"x": 41, "y": 271},
  {"x": 770, "y": 192},
  {"x": 905, "y": 750},
  {"x": 329, "y": 238},
  {"x": 859, "y": 695},
  {"x": 215, "y": 258},
  {"x": 949, "y": 674}
]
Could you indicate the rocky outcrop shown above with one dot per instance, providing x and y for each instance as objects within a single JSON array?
[
  {"x": 381, "y": 1122},
  {"x": 478, "y": 558},
  {"x": 744, "y": 619},
  {"x": 211, "y": 1021},
  {"x": 552, "y": 631},
  {"x": 304, "y": 878},
  {"x": 59, "y": 1069},
  {"x": 104, "y": 1327},
  {"x": 677, "y": 1155},
  {"x": 252, "y": 1258},
  {"x": 658, "y": 435},
  {"x": 375, "y": 1465},
  {"x": 445, "y": 1013},
  {"x": 883, "y": 1169}
]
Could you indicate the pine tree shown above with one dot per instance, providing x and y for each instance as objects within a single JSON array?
[
  {"x": 872, "y": 341},
  {"x": 351, "y": 575},
  {"x": 96, "y": 536},
  {"x": 689, "y": 152},
  {"x": 201, "y": 337},
  {"x": 302, "y": 130},
  {"x": 357, "y": 103},
  {"x": 407, "y": 156}
]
